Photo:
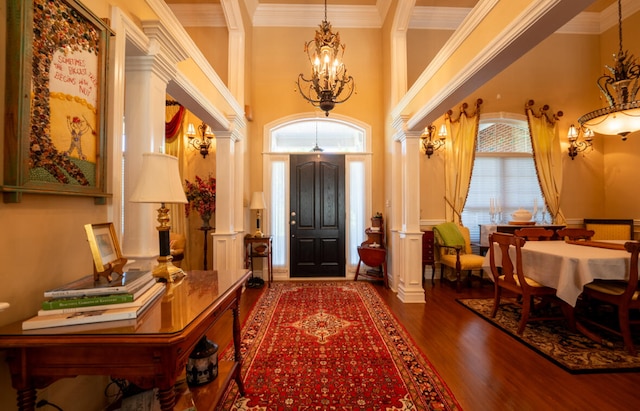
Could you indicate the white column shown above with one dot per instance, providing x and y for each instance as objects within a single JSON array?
[
  {"x": 410, "y": 237},
  {"x": 226, "y": 253},
  {"x": 145, "y": 94}
]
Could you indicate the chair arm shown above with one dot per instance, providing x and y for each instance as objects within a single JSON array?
[{"x": 458, "y": 248}]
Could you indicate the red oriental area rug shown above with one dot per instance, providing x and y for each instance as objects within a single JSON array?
[{"x": 332, "y": 346}]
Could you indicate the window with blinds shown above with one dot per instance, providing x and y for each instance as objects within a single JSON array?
[{"x": 503, "y": 171}]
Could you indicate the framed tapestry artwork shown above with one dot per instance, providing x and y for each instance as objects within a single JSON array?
[{"x": 55, "y": 125}]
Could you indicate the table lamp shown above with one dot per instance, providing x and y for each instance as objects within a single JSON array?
[
  {"x": 160, "y": 182},
  {"x": 257, "y": 203}
]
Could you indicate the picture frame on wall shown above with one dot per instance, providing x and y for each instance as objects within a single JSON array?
[{"x": 55, "y": 99}]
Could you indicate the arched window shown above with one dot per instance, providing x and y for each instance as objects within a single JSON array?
[
  {"x": 303, "y": 135},
  {"x": 504, "y": 174}
]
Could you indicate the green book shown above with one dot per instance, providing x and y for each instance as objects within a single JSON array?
[{"x": 96, "y": 300}]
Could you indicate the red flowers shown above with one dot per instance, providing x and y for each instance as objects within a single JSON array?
[{"x": 201, "y": 196}]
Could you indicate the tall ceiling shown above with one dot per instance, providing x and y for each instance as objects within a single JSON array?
[
  {"x": 597, "y": 6},
  {"x": 348, "y": 13}
]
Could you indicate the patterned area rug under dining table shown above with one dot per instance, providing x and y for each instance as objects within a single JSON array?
[
  {"x": 571, "y": 350},
  {"x": 332, "y": 346}
]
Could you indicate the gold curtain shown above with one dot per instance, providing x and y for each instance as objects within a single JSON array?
[
  {"x": 175, "y": 147},
  {"x": 460, "y": 154},
  {"x": 547, "y": 155}
]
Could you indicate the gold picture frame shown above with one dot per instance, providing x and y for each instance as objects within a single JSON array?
[
  {"x": 105, "y": 250},
  {"x": 55, "y": 99}
]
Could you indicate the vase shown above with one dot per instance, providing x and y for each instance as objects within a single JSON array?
[{"x": 205, "y": 221}]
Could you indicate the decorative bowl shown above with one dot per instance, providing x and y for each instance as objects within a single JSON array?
[{"x": 521, "y": 215}]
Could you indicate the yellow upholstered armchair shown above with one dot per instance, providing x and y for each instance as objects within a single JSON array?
[
  {"x": 178, "y": 243},
  {"x": 453, "y": 249}
]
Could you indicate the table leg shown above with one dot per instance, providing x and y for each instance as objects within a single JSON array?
[
  {"x": 575, "y": 325},
  {"x": 167, "y": 398},
  {"x": 27, "y": 399},
  {"x": 236, "y": 346}
]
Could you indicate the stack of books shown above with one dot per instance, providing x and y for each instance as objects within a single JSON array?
[{"x": 86, "y": 301}]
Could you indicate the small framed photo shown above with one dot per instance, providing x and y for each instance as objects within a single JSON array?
[{"x": 104, "y": 245}]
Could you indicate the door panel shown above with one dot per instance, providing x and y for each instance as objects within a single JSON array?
[{"x": 317, "y": 215}]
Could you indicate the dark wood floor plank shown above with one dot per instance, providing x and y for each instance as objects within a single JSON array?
[{"x": 485, "y": 368}]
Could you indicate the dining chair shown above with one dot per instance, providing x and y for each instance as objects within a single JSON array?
[
  {"x": 509, "y": 275},
  {"x": 453, "y": 249},
  {"x": 534, "y": 233},
  {"x": 624, "y": 295},
  {"x": 574, "y": 234}
]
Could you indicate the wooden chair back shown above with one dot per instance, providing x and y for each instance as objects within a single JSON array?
[
  {"x": 623, "y": 294},
  {"x": 509, "y": 271},
  {"x": 511, "y": 277},
  {"x": 534, "y": 233},
  {"x": 575, "y": 234}
]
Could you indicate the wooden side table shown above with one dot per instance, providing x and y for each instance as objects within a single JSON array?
[{"x": 259, "y": 247}]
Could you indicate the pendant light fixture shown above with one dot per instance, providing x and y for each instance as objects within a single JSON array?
[
  {"x": 329, "y": 83},
  {"x": 620, "y": 88}
]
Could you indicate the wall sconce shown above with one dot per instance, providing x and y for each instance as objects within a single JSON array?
[
  {"x": 427, "y": 141},
  {"x": 576, "y": 146},
  {"x": 202, "y": 140}
]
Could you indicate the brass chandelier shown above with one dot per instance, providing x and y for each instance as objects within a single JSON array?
[
  {"x": 329, "y": 83},
  {"x": 622, "y": 116}
]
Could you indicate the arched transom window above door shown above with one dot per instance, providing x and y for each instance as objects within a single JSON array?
[{"x": 329, "y": 135}]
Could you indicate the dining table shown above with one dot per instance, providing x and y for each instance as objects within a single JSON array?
[{"x": 568, "y": 266}]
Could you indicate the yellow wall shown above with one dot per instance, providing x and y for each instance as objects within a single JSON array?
[{"x": 44, "y": 244}]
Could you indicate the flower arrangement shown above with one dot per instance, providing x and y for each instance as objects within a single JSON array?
[{"x": 201, "y": 196}]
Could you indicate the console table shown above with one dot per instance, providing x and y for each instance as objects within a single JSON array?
[{"x": 151, "y": 351}]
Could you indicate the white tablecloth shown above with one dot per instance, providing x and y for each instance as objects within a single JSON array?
[{"x": 568, "y": 267}]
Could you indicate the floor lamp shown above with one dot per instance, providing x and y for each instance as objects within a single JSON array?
[
  {"x": 257, "y": 203},
  {"x": 160, "y": 182}
]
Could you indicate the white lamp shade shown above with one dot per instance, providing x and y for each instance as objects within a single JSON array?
[
  {"x": 159, "y": 180},
  {"x": 257, "y": 201}
]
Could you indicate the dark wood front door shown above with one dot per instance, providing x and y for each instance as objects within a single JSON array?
[{"x": 317, "y": 215}]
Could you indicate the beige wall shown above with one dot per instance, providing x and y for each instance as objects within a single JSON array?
[{"x": 44, "y": 243}]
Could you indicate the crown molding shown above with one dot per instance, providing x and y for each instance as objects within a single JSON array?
[
  {"x": 199, "y": 15},
  {"x": 422, "y": 18},
  {"x": 298, "y": 15}
]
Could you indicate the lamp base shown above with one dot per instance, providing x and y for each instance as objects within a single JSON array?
[
  {"x": 258, "y": 233},
  {"x": 166, "y": 271}
]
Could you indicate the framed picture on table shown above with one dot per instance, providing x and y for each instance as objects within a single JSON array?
[
  {"x": 55, "y": 99},
  {"x": 105, "y": 250}
]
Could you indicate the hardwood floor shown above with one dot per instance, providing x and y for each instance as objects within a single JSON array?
[{"x": 485, "y": 368}]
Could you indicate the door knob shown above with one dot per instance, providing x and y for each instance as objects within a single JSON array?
[{"x": 293, "y": 222}]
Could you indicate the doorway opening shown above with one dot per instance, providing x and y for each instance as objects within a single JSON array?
[{"x": 308, "y": 134}]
